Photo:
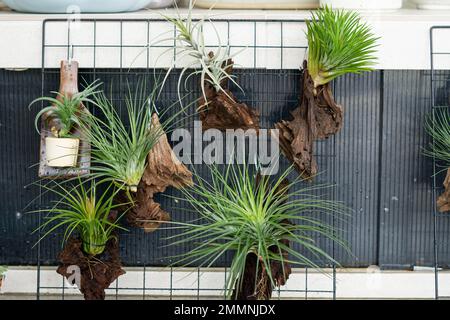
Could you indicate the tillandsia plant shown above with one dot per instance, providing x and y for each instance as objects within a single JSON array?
[
  {"x": 63, "y": 111},
  {"x": 120, "y": 146},
  {"x": 260, "y": 221},
  {"x": 80, "y": 210},
  {"x": 437, "y": 125},
  {"x": 91, "y": 222},
  {"x": 218, "y": 107},
  {"x": 339, "y": 43},
  {"x": 61, "y": 123}
]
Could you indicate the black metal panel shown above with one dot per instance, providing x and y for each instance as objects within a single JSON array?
[
  {"x": 402, "y": 186},
  {"x": 406, "y": 222},
  {"x": 357, "y": 148},
  {"x": 19, "y": 149}
]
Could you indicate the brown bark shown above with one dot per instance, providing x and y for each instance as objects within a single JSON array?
[
  {"x": 221, "y": 110},
  {"x": 443, "y": 201},
  {"x": 163, "y": 170},
  {"x": 256, "y": 283},
  {"x": 97, "y": 272},
  {"x": 317, "y": 118}
]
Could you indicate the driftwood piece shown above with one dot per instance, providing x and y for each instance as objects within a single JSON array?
[
  {"x": 256, "y": 283},
  {"x": 443, "y": 202},
  {"x": 221, "y": 110},
  {"x": 68, "y": 86},
  {"x": 264, "y": 288},
  {"x": 96, "y": 273},
  {"x": 163, "y": 170},
  {"x": 317, "y": 118}
]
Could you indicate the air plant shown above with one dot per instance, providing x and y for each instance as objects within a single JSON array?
[
  {"x": 339, "y": 43},
  {"x": 84, "y": 212},
  {"x": 65, "y": 109},
  {"x": 246, "y": 214},
  {"x": 120, "y": 146},
  {"x": 190, "y": 43},
  {"x": 437, "y": 125}
]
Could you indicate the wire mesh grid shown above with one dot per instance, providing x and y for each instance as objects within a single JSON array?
[
  {"x": 268, "y": 70},
  {"x": 440, "y": 80}
]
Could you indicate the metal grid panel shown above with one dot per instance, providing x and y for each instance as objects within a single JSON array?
[
  {"x": 273, "y": 92},
  {"x": 440, "y": 80}
]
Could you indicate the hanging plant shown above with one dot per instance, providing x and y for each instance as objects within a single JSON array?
[
  {"x": 259, "y": 221},
  {"x": 438, "y": 127},
  {"x": 339, "y": 43},
  {"x": 163, "y": 170},
  {"x": 90, "y": 241},
  {"x": 218, "y": 107},
  {"x": 121, "y": 150},
  {"x": 59, "y": 127}
]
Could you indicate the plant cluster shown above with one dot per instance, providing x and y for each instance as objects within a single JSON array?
[{"x": 238, "y": 211}]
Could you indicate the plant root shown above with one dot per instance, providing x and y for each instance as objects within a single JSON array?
[
  {"x": 256, "y": 283},
  {"x": 96, "y": 273},
  {"x": 317, "y": 118}
]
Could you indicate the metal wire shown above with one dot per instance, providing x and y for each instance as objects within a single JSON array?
[
  {"x": 437, "y": 79},
  {"x": 326, "y": 151}
]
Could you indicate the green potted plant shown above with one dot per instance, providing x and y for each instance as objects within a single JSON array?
[
  {"x": 90, "y": 222},
  {"x": 61, "y": 117},
  {"x": 258, "y": 220},
  {"x": 339, "y": 43},
  {"x": 437, "y": 125}
]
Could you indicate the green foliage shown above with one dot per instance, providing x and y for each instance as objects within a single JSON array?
[
  {"x": 80, "y": 210},
  {"x": 339, "y": 43},
  {"x": 237, "y": 213},
  {"x": 190, "y": 43},
  {"x": 65, "y": 109},
  {"x": 120, "y": 146},
  {"x": 437, "y": 125}
]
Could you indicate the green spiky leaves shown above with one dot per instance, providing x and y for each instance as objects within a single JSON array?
[
  {"x": 81, "y": 210},
  {"x": 240, "y": 213},
  {"x": 437, "y": 125},
  {"x": 65, "y": 109},
  {"x": 339, "y": 43}
]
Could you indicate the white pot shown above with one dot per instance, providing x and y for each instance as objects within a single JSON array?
[
  {"x": 61, "y": 152},
  {"x": 258, "y": 4},
  {"x": 432, "y": 4},
  {"x": 363, "y": 4}
]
